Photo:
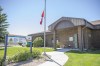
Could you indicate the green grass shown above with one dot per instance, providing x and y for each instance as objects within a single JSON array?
[
  {"x": 77, "y": 58},
  {"x": 14, "y": 50}
]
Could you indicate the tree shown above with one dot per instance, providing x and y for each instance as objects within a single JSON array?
[{"x": 3, "y": 25}]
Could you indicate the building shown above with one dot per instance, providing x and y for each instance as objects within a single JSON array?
[
  {"x": 72, "y": 32},
  {"x": 16, "y": 39}
]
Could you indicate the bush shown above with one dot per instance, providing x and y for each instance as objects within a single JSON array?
[
  {"x": 94, "y": 49},
  {"x": 38, "y": 43},
  {"x": 20, "y": 43},
  {"x": 1, "y": 61},
  {"x": 58, "y": 45},
  {"x": 28, "y": 45},
  {"x": 24, "y": 56},
  {"x": 20, "y": 57},
  {"x": 36, "y": 54}
]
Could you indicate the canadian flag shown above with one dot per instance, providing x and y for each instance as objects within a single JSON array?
[{"x": 42, "y": 16}]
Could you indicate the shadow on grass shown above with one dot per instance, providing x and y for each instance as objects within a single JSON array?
[{"x": 84, "y": 52}]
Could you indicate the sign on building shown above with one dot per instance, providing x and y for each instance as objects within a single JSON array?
[{"x": 70, "y": 38}]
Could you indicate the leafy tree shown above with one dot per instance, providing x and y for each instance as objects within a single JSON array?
[{"x": 3, "y": 25}]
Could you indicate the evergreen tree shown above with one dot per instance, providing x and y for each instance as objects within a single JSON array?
[{"x": 3, "y": 25}]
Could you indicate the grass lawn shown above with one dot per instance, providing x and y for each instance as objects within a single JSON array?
[
  {"x": 77, "y": 58},
  {"x": 14, "y": 50}
]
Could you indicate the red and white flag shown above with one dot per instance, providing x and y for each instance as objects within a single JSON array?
[{"x": 42, "y": 16}]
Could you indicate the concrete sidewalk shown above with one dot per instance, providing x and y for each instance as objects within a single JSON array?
[{"x": 57, "y": 56}]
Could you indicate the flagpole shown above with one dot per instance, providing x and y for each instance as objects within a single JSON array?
[{"x": 44, "y": 25}]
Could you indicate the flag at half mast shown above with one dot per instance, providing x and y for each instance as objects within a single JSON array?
[{"x": 42, "y": 16}]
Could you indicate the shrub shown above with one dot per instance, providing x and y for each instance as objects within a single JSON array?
[
  {"x": 20, "y": 43},
  {"x": 22, "y": 56},
  {"x": 36, "y": 54},
  {"x": 94, "y": 49},
  {"x": 28, "y": 45},
  {"x": 38, "y": 43},
  {"x": 58, "y": 45},
  {"x": 1, "y": 61}
]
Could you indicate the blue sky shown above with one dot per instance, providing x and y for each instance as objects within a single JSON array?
[{"x": 24, "y": 15}]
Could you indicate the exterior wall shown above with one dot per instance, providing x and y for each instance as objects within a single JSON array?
[
  {"x": 63, "y": 37},
  {"x": 87, "y": 38},
  {"x": 49, "y": 39},
  {"x": 96, "y": 38}
]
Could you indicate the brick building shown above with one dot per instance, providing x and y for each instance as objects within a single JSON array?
[{"x": 72, "y": 32}]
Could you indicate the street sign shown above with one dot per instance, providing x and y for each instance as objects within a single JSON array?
[
  {"x": 29, "y": 38},
  {"x": 29, "y": 41}
]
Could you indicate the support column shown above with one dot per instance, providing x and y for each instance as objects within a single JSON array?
[
  {"x": 80, "y": 38},
  {"x": 54, "y": 39},
  {"x": 87, "y": 44}
]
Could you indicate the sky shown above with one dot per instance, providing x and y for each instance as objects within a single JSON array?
[{"x": 24, "y": 15}]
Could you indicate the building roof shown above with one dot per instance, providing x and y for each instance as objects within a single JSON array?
[
  {"x": 13, "y": 35},
  {"x": 64, "y": 18},
  {"x": 40, "y": 33},
  {"x": 74, "y": 21},
  {"x": 97, "y": 22},
  {"x": 71, "y": 20}
]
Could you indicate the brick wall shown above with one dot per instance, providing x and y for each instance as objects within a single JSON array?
[
  {"x": 64, "y": 34},
  {"x": 96, "y": 38}
]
